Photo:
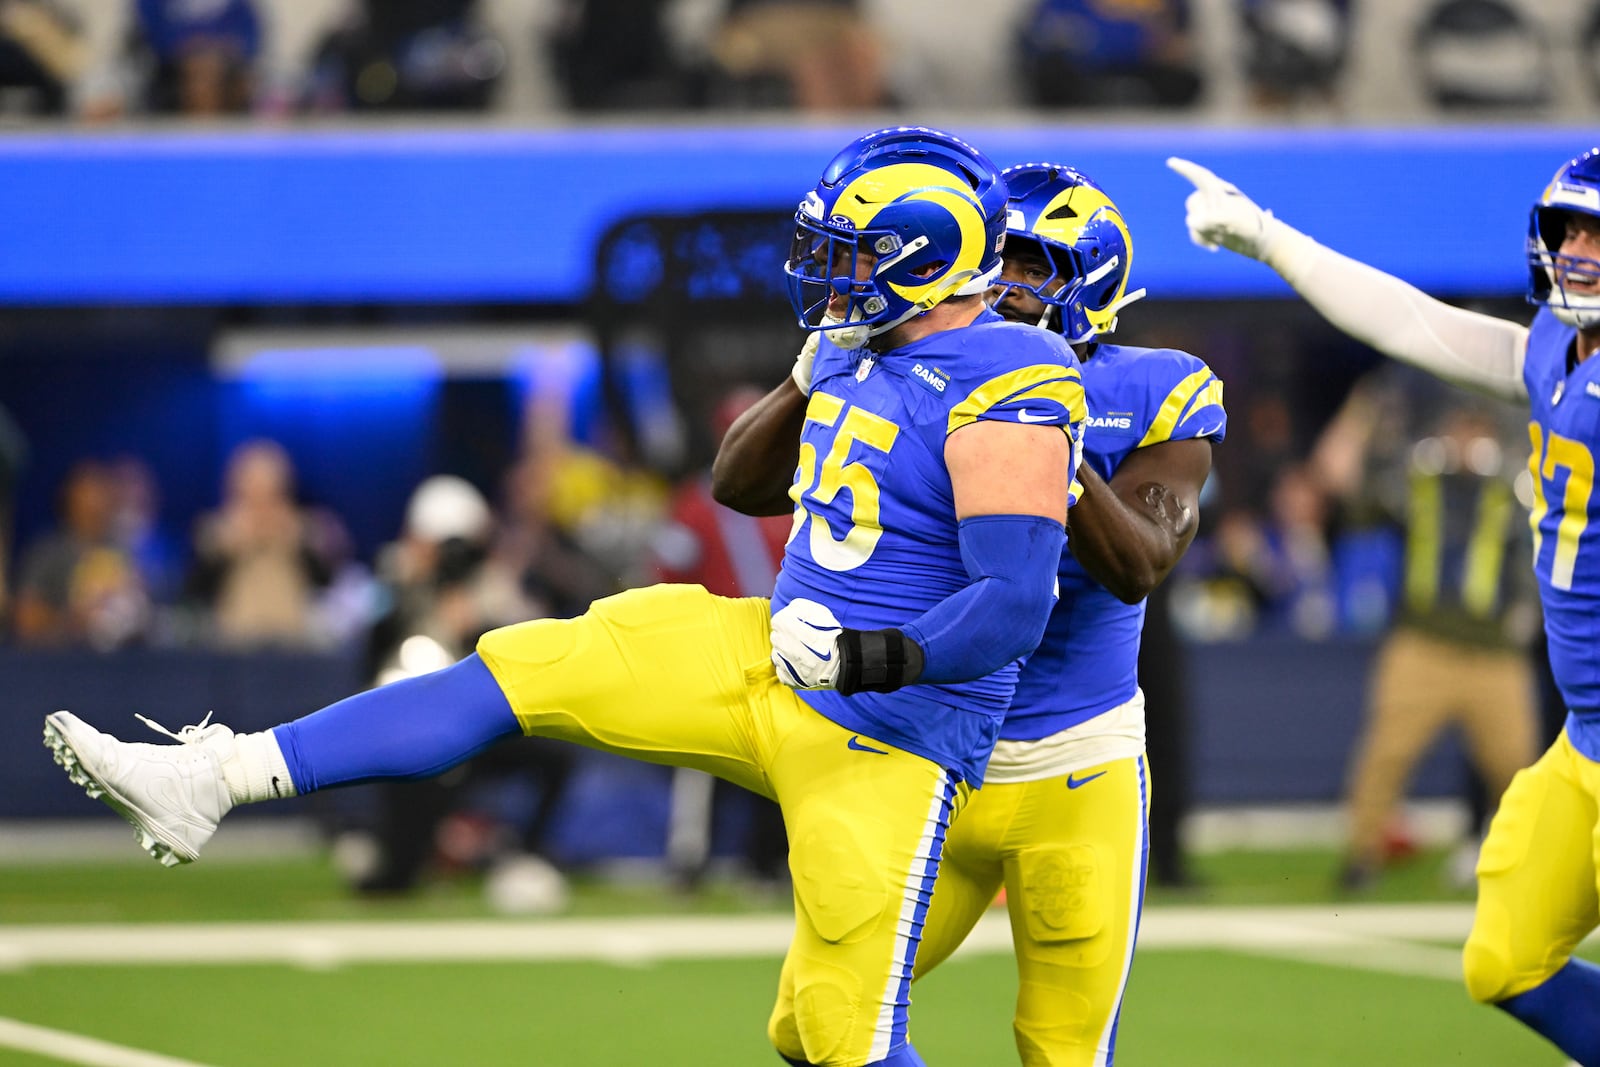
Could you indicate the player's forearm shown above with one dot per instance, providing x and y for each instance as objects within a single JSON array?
[
  {"x": 1128, "y": 549},
  {"x": 1478, "y": 351},
  {"x": 1012, "y": 561},
  {"x": 755, "y": 462}
]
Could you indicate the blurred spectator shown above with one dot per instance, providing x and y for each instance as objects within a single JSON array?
[
  {"x": 408, "y": 55},
  {"x": 136, "y": 526},
  {"x": 77, "y": 584},
  {"x": 443, "y": 592},
  {"x": 616, "y": 55},
  {"x": 1477, "y": 54},
  {"x": 1458, "y": 651},
  {"x": 732, "y": 555},
  {"x": 196, "y": 57},
  {"x": 1273, "y": 573},
  {"x": 41, "y": 56},
  {"x": 811, "y": 55},
  {"x": 261, "y": 558},
  {"x": 558, "y": 576},
  {"x": 1108, "y": 53},
  {"x": 1295, "y": 50}
]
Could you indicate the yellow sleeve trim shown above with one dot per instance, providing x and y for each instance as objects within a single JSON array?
[
  {"x": 1047, "y": 381},
  {"x": 1167, "y": 417},
  {"x": 1210, "y": 396}
]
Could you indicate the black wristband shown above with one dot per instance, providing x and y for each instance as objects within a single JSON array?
[{"x": 876, "y": 661}]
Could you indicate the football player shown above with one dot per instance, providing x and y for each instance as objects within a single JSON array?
[
  {"x": 1061, "y": 820},
  {"x": 1537, "y": 869},
  {"x": 865, "y": 697}
]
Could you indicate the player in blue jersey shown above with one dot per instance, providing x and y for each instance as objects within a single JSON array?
[
  {"x": 1537, "y": 871},
  {"x": 937, "y": 463},
  {"x": 1061, "y": 820}
]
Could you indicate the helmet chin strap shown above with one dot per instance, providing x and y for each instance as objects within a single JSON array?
[
  {"x": 1584, "y": 318},
  {"x": 849, "y": 335}
]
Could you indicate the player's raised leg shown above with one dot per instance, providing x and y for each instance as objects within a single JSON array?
[
  {"x": 651, "y": 673},
  {"x": 174, "y": 795}
]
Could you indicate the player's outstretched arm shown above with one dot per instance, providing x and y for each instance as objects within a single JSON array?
[
  {"x": 1129, "y": 533},
  {"x": 756, "y": 460},
  {"x": 1378, "y": 309}
]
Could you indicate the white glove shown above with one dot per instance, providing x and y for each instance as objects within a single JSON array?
[
  {"x": 1219, "y": 214},
  {"x": 803, "y": 636}
]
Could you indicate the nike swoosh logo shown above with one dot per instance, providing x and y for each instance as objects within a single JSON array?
[
  {"x": 1074, "y": 782},
  {"x": 855, "y": 743},
  {"x": 823, "y": 656},
  {"x": 1024, "y": 415}
]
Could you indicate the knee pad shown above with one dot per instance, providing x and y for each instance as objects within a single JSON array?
[
  {"x": 784, "y": 1033},
  {"x": 827, "y": 1007},
  {"x": 1486, "y": 960},
  {"x": 1064, "y": 893},
  {"x": 1487, "y": 973},
  {"x": 839, "y": 887}
]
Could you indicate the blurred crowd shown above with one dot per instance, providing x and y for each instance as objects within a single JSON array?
[
  {"x": 100, "y": 60},
  {"x": 1303, "y": 526}
]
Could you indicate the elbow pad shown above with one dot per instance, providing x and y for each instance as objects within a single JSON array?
[{"x": 1012, "y": 560}]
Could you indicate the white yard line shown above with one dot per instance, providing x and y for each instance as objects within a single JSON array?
[
  {"x": 1327, "y": 931},
  {"x": 73, "y": 1048}
]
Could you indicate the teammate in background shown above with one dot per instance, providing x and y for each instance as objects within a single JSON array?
[
  {"x": 1537, "y": 868},
  {"x": 903, "y": 606},
  {"x": 1062, "y": 819}
]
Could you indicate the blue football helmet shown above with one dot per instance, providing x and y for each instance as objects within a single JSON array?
[
  {"x": 926, "y": 207},
  {"x": 1079, "y": 230},
  {"x": 1576, "y": 187}
]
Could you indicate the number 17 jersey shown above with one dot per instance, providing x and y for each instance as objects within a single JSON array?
[{"x": 1565, "y": 433}]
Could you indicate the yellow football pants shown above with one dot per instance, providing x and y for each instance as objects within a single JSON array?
[
  {"x": 672, "y": 674},
  {"x": 1537, "y": 892},
  {"x": 1073, "y": 861}
]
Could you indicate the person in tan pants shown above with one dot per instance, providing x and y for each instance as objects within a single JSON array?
[{"x": 1457, "y": 653}]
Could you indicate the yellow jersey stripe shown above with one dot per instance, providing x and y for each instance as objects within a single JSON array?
[
  {"x": 1167, "y": 416},
  {"x": 1045, "y": 381},
  {"x": 1209, "y": 396}
]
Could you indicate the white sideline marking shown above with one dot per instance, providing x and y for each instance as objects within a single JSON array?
[
  {"x": 1382, "y": 937},
  {"x": 73, "y": 1048}
]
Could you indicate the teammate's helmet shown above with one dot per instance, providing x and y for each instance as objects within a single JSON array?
[
  {"x": 927, "y": 206},
  {"x": 1082, "y": 234},
  {"x": 1576, "y": 187}
]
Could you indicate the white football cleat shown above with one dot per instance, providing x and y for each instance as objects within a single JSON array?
[{"x": 174, "y": 795}]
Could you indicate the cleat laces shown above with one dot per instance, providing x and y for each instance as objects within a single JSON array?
[{"x": 193, "y": 734}]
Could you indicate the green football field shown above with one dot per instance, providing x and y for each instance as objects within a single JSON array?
[{"x": 244, "y": 965}]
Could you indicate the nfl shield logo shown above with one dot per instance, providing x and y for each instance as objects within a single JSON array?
[{"x": 1555, "y": 398}]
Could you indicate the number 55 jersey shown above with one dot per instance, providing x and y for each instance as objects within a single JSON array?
[
  {"x": 1565, "y": 432},
  {"x": 875, "y": 529}
]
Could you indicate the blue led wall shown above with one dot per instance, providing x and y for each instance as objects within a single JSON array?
[{"x": 467, "y": 216}]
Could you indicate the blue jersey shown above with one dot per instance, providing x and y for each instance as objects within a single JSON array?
[
  {"x": 1088, "y": 661},
  {"x": 1565, "y": 433},
  {"x": 875, "y": 535}
]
